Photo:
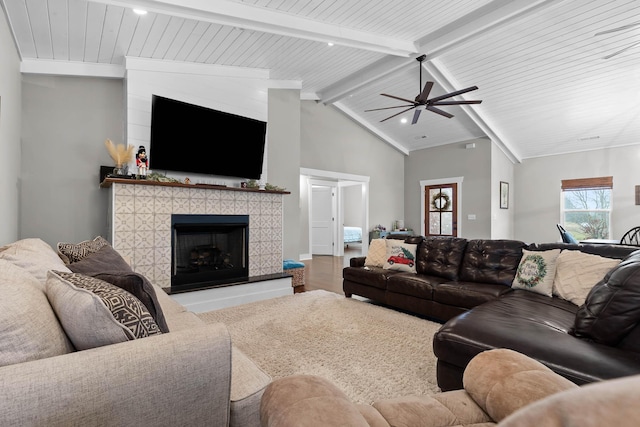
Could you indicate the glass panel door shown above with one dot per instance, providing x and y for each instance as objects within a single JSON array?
[{"x": 441, "y": 208}]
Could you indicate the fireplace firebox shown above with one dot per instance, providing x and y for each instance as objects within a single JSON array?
[{"x": 209, "y": 250}]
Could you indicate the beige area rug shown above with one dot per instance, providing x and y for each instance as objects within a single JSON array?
[{"x": 369, "y": 352}]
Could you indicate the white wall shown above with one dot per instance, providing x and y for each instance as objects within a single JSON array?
[
  {"x": 10, "y": 126},
  {"x": 537, "y": 192}
]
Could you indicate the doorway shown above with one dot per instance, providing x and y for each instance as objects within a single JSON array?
[
  {"x": 346, "y": 187},
  {"x": 441, "y": 199}
]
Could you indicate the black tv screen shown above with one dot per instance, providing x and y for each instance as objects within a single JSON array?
[{"x": 195, "y": 139}]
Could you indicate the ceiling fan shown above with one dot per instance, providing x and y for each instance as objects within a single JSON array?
[
  {"x": 423, "y": 100},
  {"x": 613, "y": 30}
]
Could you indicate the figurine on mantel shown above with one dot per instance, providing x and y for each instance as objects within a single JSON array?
[{"x": 142, "y": 162}]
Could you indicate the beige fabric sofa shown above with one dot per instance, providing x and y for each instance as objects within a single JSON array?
[
  {"x": 501, "y": 387},
  {"x": 192, "y": 375}
]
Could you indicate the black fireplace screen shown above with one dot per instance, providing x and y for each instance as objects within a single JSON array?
[{"x": 209, "y": 250}]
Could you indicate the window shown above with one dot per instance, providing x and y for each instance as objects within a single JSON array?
[{"x": 586, "y": 207}]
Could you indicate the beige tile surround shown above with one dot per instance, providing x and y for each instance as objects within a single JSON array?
[{"x": 140, "y": 223}]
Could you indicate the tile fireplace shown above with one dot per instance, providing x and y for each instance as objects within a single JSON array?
[{"x": 141, "y": 214}]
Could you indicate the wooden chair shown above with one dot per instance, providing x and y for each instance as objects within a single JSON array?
[
  {"x": 631, "y": 237},
  {"x": 566, "y": 236}
]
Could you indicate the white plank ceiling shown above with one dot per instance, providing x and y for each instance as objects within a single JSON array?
[{"x": 549, "y": 83}]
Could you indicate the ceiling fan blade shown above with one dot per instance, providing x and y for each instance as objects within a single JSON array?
[
  {"x": 438, "y": 111},
  {"x": 613, "y": 30},
  {"x": 397, "y": 114},
  {"x": 416, "y": 115},
  {"x": 425, "y": 92},
  {"x": 620, "y": 51},
  {"x": 401, "y": 99},
  {"x": 388, "y": 108},
  {"x": 449, "y": 95},
  {"x": 456, "y": 102}
]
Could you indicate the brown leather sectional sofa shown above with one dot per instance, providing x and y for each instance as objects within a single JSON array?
[{"x": 466, "y": 284}]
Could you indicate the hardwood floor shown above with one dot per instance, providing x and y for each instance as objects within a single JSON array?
[{"x": 325, "y": 271}]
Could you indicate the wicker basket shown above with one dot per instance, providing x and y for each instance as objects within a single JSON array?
[{"x": 298, "y": 276}]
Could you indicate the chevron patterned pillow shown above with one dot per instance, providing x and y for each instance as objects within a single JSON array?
[
  {"x": 94, "y": 313},
  {"x": 74, "y": 252}
]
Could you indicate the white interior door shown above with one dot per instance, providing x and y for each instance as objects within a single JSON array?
[{"x": 322, "y": 220}]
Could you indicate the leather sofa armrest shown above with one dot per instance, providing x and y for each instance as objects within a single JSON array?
[
  {"x": 357, "y": 261},
  {"x": 178, "y": 378}
]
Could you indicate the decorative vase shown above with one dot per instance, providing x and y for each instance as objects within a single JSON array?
[{"x": 121, "y": 169}]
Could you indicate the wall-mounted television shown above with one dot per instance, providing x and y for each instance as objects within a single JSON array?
[{"x": 195, "y": 139}]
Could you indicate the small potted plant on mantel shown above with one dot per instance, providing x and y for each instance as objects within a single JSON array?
[{"x": 252, "y": 183}]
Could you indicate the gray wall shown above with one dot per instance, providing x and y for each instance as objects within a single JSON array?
[
  {"x": 537, "y": 194},
  {"x": 330, "y": 141},
  {"x": 10, "y": 119},
  {"x": 67, "y": 119},
  {"x": 352, "y": 202},
  {"x": 502, "y": 220},
  {"x": 65, "y": 122},
  {"x": 449, "y": 161},
  {"x": 283, "y": 161}
]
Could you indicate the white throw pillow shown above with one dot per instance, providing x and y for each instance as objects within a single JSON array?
[
  {"x": 400, "y": 256},
  {"x": 377, "y": 254},
  {"x": 578, "y": 272},
  {"x": 536, "y": 271}
]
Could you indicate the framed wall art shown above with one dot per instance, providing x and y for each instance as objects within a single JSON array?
[{"x": 504, "y": 195}]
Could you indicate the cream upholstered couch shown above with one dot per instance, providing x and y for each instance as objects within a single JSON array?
[
  {"x": 501, "y": 387},
  {"x": 191, "y": 375}
]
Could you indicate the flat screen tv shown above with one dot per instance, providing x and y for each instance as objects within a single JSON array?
[{"x": 195, "y": 139}]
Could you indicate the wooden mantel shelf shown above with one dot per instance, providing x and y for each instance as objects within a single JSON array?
[{"x": 110, "y": 181}]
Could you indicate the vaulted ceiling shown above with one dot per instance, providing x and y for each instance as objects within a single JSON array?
[{"x": 549, "y": 82}]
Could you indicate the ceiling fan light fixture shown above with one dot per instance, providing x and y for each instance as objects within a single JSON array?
[{"x": 423, "y": 100}]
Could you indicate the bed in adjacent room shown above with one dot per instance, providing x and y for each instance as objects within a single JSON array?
[{"x": 352, "y": 235}]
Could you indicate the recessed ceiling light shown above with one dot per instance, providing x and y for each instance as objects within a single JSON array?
[
  {"x": 403, "y": 120},
  {"x": 139, "y": 11},
  {"x": 330, "y": 44}
]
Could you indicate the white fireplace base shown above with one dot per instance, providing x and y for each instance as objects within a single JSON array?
[{"x": 229, "y": 296}]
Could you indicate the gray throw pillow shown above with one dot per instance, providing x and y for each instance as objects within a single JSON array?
[
  {"x": 107, "y": 264},
  {"x": 95, "y": 313}
]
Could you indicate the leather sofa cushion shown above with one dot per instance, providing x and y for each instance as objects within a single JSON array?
[
  {"x": 536, "y": 325},
  {"x": 467, "y": 294},
  {"x": 372, "y": 276},
  {"x": 612, "y": 307},
  {"x": 491, "y": 261},
  {"x": 440, "y": 256},
  {"x": 416, "y": 285}
]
